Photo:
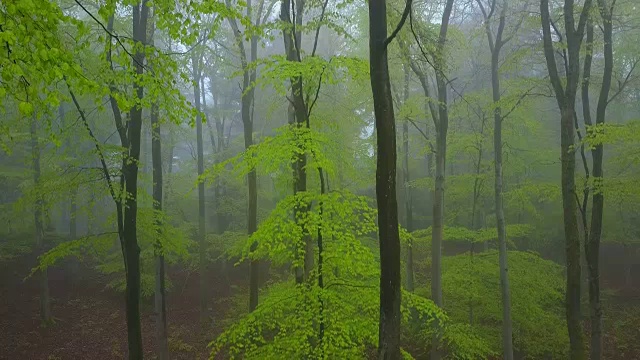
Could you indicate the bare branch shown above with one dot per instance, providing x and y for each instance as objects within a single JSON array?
[{"x": 403, "y": 19}]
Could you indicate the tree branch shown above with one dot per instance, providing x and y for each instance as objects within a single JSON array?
[{"x": 403, "y": 19}]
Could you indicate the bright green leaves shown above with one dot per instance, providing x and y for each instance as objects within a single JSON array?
[
  {"x": 286, "y": 322},
  {"x": 25, "y": 108},
  {"x": 315, "y": 71},
  {"x": 537, "y": 292},
  {"x": 607, "y": 133},
  {"x": 462, "y": 234},
  {"x": 344, "y": 218},
  {"x": 274, "y": 155}
]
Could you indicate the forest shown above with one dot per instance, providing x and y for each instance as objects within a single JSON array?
[{"x": 320, "y": 179}]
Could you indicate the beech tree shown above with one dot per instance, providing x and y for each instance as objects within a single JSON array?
[
  {"x": 565, "y": 93},
  {"x": 496, "y": 42},
  {"x": 388, "y": 232}
]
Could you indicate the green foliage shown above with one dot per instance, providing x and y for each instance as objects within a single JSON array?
[
  {"x": 104, "y": 249},
  {"x": 274, "y": 155},
  {"x": 286, "y": 323},
  {"x": 537, "y": 300},
  {"x": 344, "y": 217},
  {"x": 466, "y": 342},
  {"x": 462, "y": 234}
]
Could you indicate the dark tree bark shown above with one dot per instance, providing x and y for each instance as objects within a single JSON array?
[
  {"x": 592, "y": 244},
  {"x": 247, "y": 104},
  {"x": 160, "y": 291},
  {"x": 321, "y": 264},
  {"x": 202, "y": 260},
  {"x": 565, "y": 92},
  {"x": 292, "y": 43},
  {"x": 38, "y": 209},
  {"x": 160, "y": 304},
  {"x": 126, "y": 210},
  {"x": 386, "y": 153},
  {"x": 131, "y": 248},
  {"x": 440, "y": 116}
]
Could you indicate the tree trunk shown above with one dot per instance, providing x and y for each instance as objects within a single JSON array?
[
  {"x": 442, "y": 125},
  {"x": 157, "y": 184},
  {"x": 252, "y": 176},
  {"x": 247, "y": 103},
  {"x": 320, "y": 266},
  {"x": 593, "y": 244},
  {"x": 495, "y": 45},
  {"x": 507, "y": 325},
  {"x": 574, "y": 317},
  {"x": 131, "y": 248},
  {"x": 407, "y": 189},
  {"x": 292, "y": 43},
  {"x": 38, "y": 208},
  {"x": 160, "y": 296},
  {"x": 252, "y": 212},
  {"x": 390, "y": 282},
  {"x": 565, "y": 92},
  {"x": 202, "y": 264},
  {"x": 160, "y": 304}
]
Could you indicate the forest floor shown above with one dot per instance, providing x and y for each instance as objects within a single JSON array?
[{"x": 90, "y": 318}]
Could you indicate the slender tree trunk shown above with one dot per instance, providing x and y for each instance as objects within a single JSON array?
[
  {"x": 495, "y": 45},
  {"x": 131, "y": 248},
  {"x": 292, "y": 42},
  {"x": 574, "y": 317},
  {"x": 390, "y": 281},
  {"x": 442, "y": 125},
  {"x": 247, "y": 103},
  {"x": 320, "y": 266},
  {"x": 157, "y": 187},
  {"x": 38, "y": 206},
  {"x": 407, "y": 189},
  {"x": 202, "y": 264},
  {"x": 252, "y": 214},
  {"x": 565, "y": 92},
  {"x": 593, "y": 244},
  {"x": 160, "y": 295},
  {"x": 477, "y": 185},
  {"x": 505, "y": 289}
]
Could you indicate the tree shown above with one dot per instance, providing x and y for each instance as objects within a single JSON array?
[
  {"x": 496, "y": 42},
  {"x": 441, "y": 122},
  {"x": 127, "y": 208},
  {"x": 388, "y": 232},
  {"x": 132, "y": 250},
  {"x": 160, "y": 302},
  {"x": 565, "y": 92},
  {"x": 247, "y": 106},
  {"x": 292, "y": 37},
  {"x": 594, "y": 233},
  {"x": 407, "y": 188}
]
